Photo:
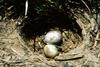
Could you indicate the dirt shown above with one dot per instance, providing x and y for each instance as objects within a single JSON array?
[{"x": 15, "y": 51}]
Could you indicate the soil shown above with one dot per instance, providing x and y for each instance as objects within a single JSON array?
[{"x": 15, "y": 51}]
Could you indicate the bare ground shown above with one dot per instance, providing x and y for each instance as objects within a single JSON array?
[{"x": 17, "y": 52}]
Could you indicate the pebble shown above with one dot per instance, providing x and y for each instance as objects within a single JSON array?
[
  {"x": 69, "y": 65},
  {"x": 33, "y": 65},
  {"x": 36, "y": 65}
]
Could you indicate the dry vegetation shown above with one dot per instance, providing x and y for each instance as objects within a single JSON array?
[
  {"x": 16, "y": 51},
  {"x": 22, "y": 40}
]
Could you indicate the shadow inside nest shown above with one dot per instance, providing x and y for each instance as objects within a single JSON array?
[{"x": 37, "y": 26}]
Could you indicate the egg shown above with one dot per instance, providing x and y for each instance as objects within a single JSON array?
[
  {"x": 50, "y": 51},
  {"x": 53, "y": 37}
]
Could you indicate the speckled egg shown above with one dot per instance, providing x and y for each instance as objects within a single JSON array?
[{"x": 53, "y": 37}]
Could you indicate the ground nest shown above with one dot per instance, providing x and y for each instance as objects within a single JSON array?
[
  {"x": 35, "y": 30},
  {"x": 22, "y": 38},
  {"x": 23, "y": 45},
  {"x": 14, "y": 44}
]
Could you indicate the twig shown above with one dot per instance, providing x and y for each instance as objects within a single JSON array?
[
  {"x": 97, "y": 37},
  {"x": 74, "y": 58},
  {"x": 13, "y": 62},
  {"x": 26, "y": 8},
  {"x": 86, "y": 6}
]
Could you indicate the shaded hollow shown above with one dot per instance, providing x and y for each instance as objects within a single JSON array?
[{"x": 38, "y": 25}]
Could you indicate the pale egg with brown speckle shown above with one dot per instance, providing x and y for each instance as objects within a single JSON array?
[{"x": 53, "y": 37}]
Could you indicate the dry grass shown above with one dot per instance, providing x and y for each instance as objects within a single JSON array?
[{"x": 15, "y": 52}]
